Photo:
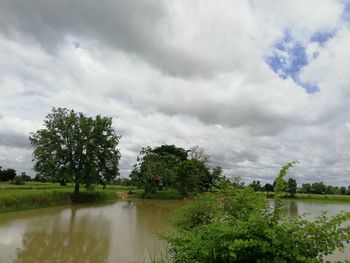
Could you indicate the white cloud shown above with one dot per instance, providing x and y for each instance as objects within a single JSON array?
[{"x": 192, "y": 74}]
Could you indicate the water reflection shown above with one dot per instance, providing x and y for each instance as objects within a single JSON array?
[
  {"x": 291, "y": 209},
  {"x": 66, "y": 239},
  {"x": 121, "y": 232}
]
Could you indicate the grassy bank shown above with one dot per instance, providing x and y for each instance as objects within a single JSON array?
[
  {"x": 14, "y": 198},
  {"x": 321, "y": 198}
]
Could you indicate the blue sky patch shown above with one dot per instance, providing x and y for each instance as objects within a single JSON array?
[
  {"x": 322, "y": 37},
  {"x": 346, "y": 11},
  {"x": 288, "y": 58}
]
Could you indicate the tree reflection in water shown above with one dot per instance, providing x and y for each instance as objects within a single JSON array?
[{"x": 73, "y": 239}]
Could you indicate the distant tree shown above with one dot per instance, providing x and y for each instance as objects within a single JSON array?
[
  {"x": 7, "y": 175},
  {"x": 79, "y": 147},
  {"x": 25, "y": 177},
  {"x": 256, "y": 186},
  {"x": 157, "y": 168},
  {"x": 343, "y": 190},
  {"x": 332, "y": 190},
  {"x": 236, "y": 180},
  {"x": 291, "y": 187},
  {"x": 306, "y": 188},
  {"x": 179, "y": 154},
  {"x": 318, "y": 188},
  {"x": 198, "y": 153},
  {"x": 169, "y": 166},
  {"x": 39, "y": 178},
  {"x": 268, "y": 187},
  {"x": 216, "y": 174}
]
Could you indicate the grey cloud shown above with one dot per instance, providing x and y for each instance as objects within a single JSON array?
[
  {"x": 128, "y": 25},
  {"x": 14, "y": 140}
]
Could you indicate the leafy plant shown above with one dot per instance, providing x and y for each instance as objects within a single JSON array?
[{"x": 240, "y": 225}]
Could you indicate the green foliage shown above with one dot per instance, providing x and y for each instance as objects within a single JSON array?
[
  {"x": 7, "y": 175},
  {"x": 268, "y": 187},
  {"x": 239, "y": 225},
  {"x": 193, "y": 176},
  {"x": 27, "y": 199},
  {"x": 321, "y": 188},
  {"x": 35, "y": 195},
  {"x": 168, "y": 166},
  {"x": 291, "y": 188},
  {"x": 256, "y": 186},
  {"x": 73, "y": 147}
]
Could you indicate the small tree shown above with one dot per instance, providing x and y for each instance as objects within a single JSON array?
[
  {"x": 7, "y": 175},
  {"x": 291, "y": 188},
  {"x": 256, "y": 186},
  {"x": 72, "y": 145},
  {"x": 268, "y": 187},
  {"x": 198, "y": 153}
]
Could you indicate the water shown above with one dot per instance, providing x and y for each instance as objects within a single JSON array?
[{"x": 122, "y": 232}]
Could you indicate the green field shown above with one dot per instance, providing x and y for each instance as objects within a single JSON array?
[
  {"x": 322, "y": 198},
  {"x": 35, "y": 195}
]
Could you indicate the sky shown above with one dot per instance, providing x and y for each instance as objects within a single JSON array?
[{"x": 255, "y": 83}]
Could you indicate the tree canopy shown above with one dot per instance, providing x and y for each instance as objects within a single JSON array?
[
  {"x": 7, "y": 174},
  {"x": 170, "y": 166},
  {"x": 76, "y": 147}
]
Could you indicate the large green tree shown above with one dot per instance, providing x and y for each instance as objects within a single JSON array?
[
  {"x": 170, "y": 166},
  {"x": 76, "y": 147},
  {"x": 157, "y": 167}
]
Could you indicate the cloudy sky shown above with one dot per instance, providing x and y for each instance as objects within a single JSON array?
[{"x": 255, "y": 83}]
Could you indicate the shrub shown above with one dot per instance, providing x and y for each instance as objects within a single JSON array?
[{"x": 239, "y": 225}]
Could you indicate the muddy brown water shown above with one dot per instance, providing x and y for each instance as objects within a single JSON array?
[{"x": 120, "y": 232}]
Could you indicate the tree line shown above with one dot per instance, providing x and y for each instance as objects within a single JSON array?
[
  {"x": 10, "y": 175},
  {"x": 291, "y": 188}
]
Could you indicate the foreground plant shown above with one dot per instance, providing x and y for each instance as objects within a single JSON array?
[{"x": 239, "y": 225}]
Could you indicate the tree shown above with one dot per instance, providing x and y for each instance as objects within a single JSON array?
[
  {"x": 318, "y": 188},
  {"x": 169, "y": 166},
  {"x": 256, "y": 186},
  {"x": 291, "y": 187},
  {"x": 343, "y": 190},
  {"x": 156, "y": 168},
  {"x": 198, "y": 153},
  {"x": 268, "y": 187},
  {"x": 7, "y": 175},
  {"x": 76, "y": 146}
]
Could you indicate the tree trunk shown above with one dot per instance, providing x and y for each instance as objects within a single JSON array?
[{"x": 76, "y": 188}]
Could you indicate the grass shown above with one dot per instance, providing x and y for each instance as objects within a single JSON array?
[
  {"x": 322, "y": 198},
  {"x": 14, "y": 200},
  {"x": 37, "y": 195},
  {"x": 317, "y": 198}
]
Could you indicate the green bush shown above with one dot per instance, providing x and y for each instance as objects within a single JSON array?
[{"x": 239, "y": 225}]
